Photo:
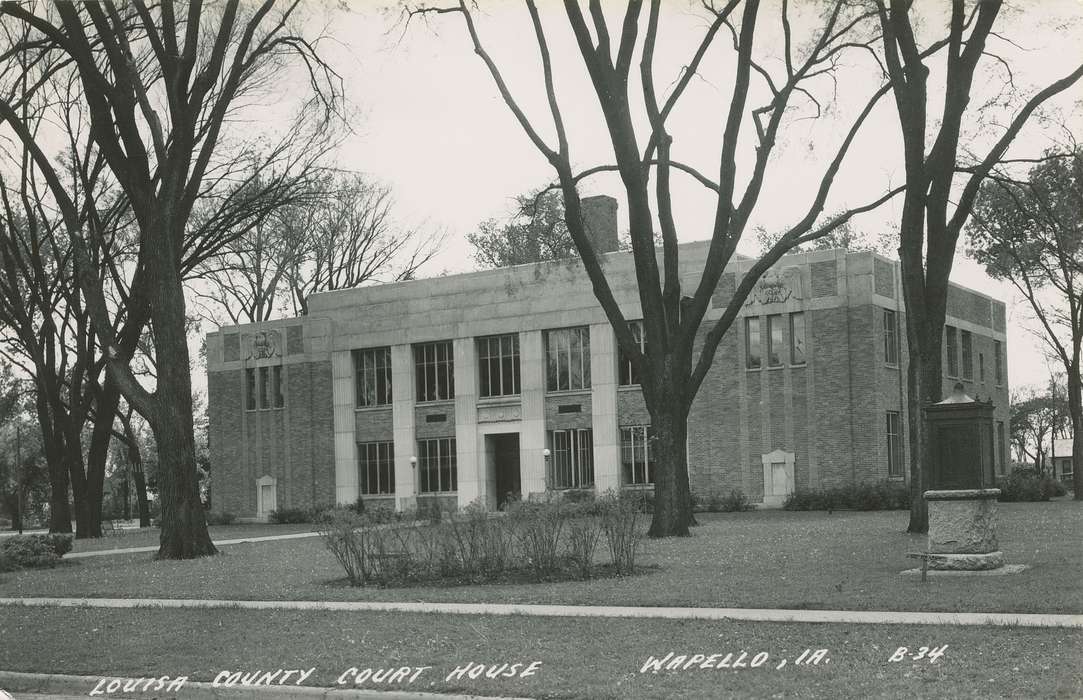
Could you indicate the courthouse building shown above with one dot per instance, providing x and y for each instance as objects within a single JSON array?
[{"x": 506, "y": 382}]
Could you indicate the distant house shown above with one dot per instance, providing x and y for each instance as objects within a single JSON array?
[{"x": 1062, "y": 459}]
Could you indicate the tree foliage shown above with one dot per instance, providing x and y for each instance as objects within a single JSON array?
[
  {"x": 535, "y": 232},
  {"x": 1030, "y": 232}
]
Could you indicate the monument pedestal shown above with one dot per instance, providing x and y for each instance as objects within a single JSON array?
[{"x": 963, "y": 530}]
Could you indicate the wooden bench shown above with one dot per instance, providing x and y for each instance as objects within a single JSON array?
[{"x": 110, "y": 528}]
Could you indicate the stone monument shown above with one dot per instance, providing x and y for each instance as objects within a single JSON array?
[{"x": 962, "y": 499}]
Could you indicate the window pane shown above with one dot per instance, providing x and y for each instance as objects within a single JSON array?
[
  {"x": 774, "y": 340},
  {"x": 752, "y": 342},
  {"x": 797, "y": 338},
  {"x": 276, "y": 381},
  {"x": 250, "y": 389}
]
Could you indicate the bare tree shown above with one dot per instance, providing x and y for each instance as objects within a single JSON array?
[
  {"x": 936, "y": 205},
  {"x": 132, "y": 62},
  {"x": 675, "y": 364},
  {"x": 349, "y": 237},
  {"x": 1030, "y": 233}
]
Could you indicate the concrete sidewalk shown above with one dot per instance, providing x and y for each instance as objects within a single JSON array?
[
  {"x": 217, "y": 543},
  {"x": 55, "y": 685},
  {"x": 869, "y": 617}
]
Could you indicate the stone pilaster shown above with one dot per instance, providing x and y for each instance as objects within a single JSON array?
[
  {"x": 532, "y": 427},
  {"x": 402, "y": 405},
  {"x": 467, "y": 455},
  {"x": 603, "y": 380},
  {"x": 342, "y": 392}
]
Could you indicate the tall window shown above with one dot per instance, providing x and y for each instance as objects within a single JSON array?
[
  {"x": 372, "y": 371},
  {"x": 498, "y": 365},
  {"x": 775, "y": 341},
  {"x": 1002, "y": 453},
  {"x": 968, "y": 355},
  {"x": 894, "y": 444},
  {"x": 998, "y": 362},
  {"x": 752, "y": 343},
  {"x": 797, "y": 338},
  {"x": 567, "y": 358},
  {"x": 573, "y": 458},
  {"x": 436, "y": 467},
  {"x": 951, "y": 342},
  {"x": 434, "y": 367},
  {"x": 250, "y": 389},
  {"x": 276, "y": 386},
  {"x": 628, "y": 375},
  {"x": 263, "y": 388},
  {"x": 637, "y": 465},
  {"x": 981, "y": 367},
  {"x": 891, "y": 337},
  {"x": 376, "y": 467}
]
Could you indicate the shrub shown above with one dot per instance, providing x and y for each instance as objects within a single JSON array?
[
  {"x": 884, "y": 495},
  {"x": 220, "y": 518},
  {"x": 537, "y": 528},
  {"x": 34, "y": 551},
  {"x": 289, "y": 516},
  {"x": 60, "y": 543},
  {"x": 618, "y": 519},
  {"x": 735, "y": 502},
  {"x": 1024, "y": 484},
  {"x": 584, "y": 531},
  {"x": 1054, "y": 487}
]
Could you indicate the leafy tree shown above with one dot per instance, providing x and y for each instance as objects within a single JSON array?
[
  {"x": 1035, "y": 421},
  {"x": 936, "y": 204},
  {"x": 535, "y": 232},
  {"x": 793, "y": 80},
  {"x": 1030, "y": 233}
]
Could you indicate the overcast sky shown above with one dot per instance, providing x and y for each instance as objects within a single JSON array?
[{"x": 429, "y": 121}]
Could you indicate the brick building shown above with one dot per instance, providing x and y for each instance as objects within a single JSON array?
[{"x": 478, "y": 385}]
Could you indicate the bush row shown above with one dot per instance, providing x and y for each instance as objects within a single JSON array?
[
  {"x": 1024, "y": 484},
  {"x": 884, "y": 495},
  {"x": 542, "y": 539},
  {"x": 734, "y": 502},
  {"x": 33, "y": 551}
]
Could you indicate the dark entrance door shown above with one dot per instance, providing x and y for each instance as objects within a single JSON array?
[{"x": 505, "y": 456}]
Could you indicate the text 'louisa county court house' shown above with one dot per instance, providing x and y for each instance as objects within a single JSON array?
[{"x": 509, "y": 381}]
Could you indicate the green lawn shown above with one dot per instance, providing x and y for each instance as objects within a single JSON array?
[
  {"x": 148, "y": 537},
  {"x": 598, "y": 658},
  {"x": 775, "y": 559}
]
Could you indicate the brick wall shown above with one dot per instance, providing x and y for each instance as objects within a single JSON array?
[{"x": 294, "y": 444}]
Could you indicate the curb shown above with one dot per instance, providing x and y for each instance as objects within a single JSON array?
[{"x": 62, "y": 684}]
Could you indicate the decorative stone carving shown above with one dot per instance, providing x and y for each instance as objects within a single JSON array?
[
  {"x": 264, "y": 344},
  {"x": 499, "y": 412},
  {"x": 776, "y": 287}
]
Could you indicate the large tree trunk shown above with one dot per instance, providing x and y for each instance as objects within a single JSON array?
[
  {"x": 1075, "y": 408},
  {"x": 59, "y": 506},
  {"x": 184, "y": 524},
  {"x": 672, "y": 502},
  {"x": 107, "y": 401}
]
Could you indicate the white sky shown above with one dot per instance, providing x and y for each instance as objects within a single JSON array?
[{"x": 430, "y": 122}]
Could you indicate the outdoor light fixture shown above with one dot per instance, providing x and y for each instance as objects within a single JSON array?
[{"x": 548, "y": 479}]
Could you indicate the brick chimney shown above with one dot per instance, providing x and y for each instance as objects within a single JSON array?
[{"x": 600, "y": 221}]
